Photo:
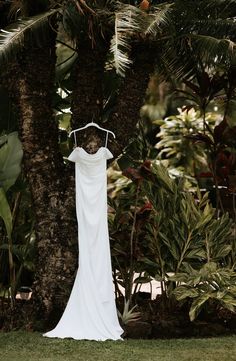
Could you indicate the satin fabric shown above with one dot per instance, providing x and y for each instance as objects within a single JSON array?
[{"x": 91, "y": 311}]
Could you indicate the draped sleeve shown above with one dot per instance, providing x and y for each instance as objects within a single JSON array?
[
  {"x": 108, "y": 154},
  {"x": 74, "y": 156}
]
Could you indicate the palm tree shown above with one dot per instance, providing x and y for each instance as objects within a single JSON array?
[
  {"x": 165, "y": 35},
  {"x": 29, "y": 79}
]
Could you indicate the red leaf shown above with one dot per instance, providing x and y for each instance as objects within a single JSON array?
[
  {"x": 132, "y": 174},
  {"x": 219, "y": 131},
  {"x": 147, "y": 207},
  {"x": 205, "y": 175}
]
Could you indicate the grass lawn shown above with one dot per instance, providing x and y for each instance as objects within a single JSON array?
[{"x": 31, "y": 346}]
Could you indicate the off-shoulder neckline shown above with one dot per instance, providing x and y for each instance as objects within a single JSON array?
[{"x": 92, "y": 154}]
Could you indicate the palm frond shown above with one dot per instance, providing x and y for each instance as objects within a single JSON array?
[
  {"x": 182, "y": 57},
  {"x": 218, "y": 28},
  {"x": 127, "y": 23},
  {"x": 221, "y": 6},
  {"x": 176, "y": 61},
  {"x": 158, "y": 17},
  {"x": 213, "y": 50},
  {"x": 203, "y": 9},
  {"x": 13, "y": 38}
]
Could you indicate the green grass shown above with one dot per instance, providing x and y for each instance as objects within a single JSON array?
[{"x": 31, "y": 346}]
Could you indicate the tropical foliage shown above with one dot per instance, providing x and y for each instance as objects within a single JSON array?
[
  {"x": 210, "y": 283},
  {"x": 175, "y": 233},
  {"x": 175, "y": 145},
  {"x": 106, "y": 51},
  {"x": 16, "y": 227}
]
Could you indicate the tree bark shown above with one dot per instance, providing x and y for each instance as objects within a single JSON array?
[
  {"x": 50, "y": 181},
  {"x": 87, "y": 96},
  {"x": 43, "y": 163},
  {"x": 131, "y": 96}
]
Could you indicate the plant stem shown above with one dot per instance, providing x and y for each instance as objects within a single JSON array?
[
  {"x": 219, "y": 204},
  {"x": 131, "y": 272},
  {"x": 186, "y": 245},
  {"x": 11, "y": 271},
  {"x": 207, "y": 250}
]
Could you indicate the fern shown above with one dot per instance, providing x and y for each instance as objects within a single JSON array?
[{"x": 12, "y": 39}]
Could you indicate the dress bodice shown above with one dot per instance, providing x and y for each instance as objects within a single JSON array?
[
  {"x": 90, "y": 164},
  {"x": 80, "y": 153}
]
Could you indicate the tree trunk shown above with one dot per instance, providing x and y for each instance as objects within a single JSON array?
[
  {"x": 50, "y": 181},
  {"x": 55, "y": 219},
  {"x": 87, "y": 97},
  {"x": 131, "y": 96}
]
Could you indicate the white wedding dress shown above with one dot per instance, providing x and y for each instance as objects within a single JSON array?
[{"x": 91, "y": 311}]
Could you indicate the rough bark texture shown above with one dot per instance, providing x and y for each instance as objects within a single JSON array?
[
  {"x": 87, "y": 100},
  {"x": 51, "y": 184},
  {"x": 88, "y": 96},
  {"x": 131, "y": 96},
  {"x": 43, "y": 163}
]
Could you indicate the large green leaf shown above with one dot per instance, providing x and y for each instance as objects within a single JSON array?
[
  {"x": 183, "y": 292},
  {"x": 10, "y": 160},
  {"x": 197, "y": 305},
  {"x": 163, "y": 178},
  {"x": 5, "y": 212}
]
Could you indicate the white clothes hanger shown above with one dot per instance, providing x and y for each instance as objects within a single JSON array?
[{"x": 91, "y": 124}]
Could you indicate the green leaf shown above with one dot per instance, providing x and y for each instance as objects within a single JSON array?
[
  {"x": 222, "y": 251},
  {"x": 204, "y": 220},
  {"x": 163, "y": 177},
  {"x": 179, "y": 277},
  {"x": 182, "y": 292},
  {"x": 197, "y": 253},
  {"x": 142, "y": 280},
  {"x": 159, "y": 278},
  {"x": 5, "y": 212},
  {"x": 231, "y": 113},
  {"x": 228, "y": 300},
  {"x": 208, "y": 268},
  {"x": 10, "y": 160},
  {"x": 197, "y": 305}
]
